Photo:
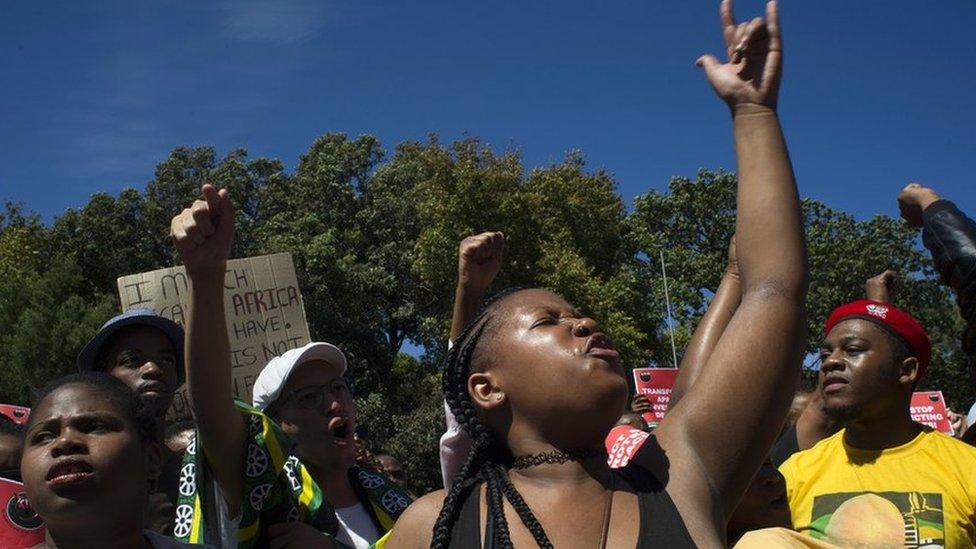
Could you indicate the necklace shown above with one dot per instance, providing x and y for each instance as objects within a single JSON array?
[{"x": 555, "y": 456}]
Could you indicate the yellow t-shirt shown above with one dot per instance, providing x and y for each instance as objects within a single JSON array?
[{"x": 920, "y": 494}]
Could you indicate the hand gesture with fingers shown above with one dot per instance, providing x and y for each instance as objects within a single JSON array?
[
  {"x": 204, "y": 232},
  {"x": 480, "y": 259},
  {"x": 755, "y": 59}
]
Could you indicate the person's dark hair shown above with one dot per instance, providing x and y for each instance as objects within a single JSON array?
[
  {"x": 124, "y": 398},
  {"x": 489, "y": 457},
  {"x": 10, "y": 427}
]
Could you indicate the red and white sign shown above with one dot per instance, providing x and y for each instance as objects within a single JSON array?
[
  {"x": 20, "y": 527},
  {"x": 622, "y": 443},
  {"x": 18, "y": 414},
  {"x": 655, "y": 384},
  {"x": 929, "y": 408}
]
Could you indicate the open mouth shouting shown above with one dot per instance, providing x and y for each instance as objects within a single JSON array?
[
  {"x": 341, "y": 431},
  {"x": 69, "y": 472}
]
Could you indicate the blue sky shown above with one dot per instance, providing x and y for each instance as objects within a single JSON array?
[{"x": 93, "y": 95}]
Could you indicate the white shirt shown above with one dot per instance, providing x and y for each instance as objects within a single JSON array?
[{"x": 356, "y": 527}]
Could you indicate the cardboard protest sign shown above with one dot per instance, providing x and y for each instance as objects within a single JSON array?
[
  {"x": 655, "y": 384},
  {"x": 18, "y": 414},
  {"x": 20, "y": 527},
  {"x": 929, "y": 408},
  {"x": 263, "y": 306}
]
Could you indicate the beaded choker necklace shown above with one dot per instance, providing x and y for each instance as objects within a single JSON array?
[{"x": 555, "y": 456}]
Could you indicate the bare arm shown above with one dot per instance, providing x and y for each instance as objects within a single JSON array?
[
  {"x": 757, "y": 358},
  {"x": 709, "y": 329},
  {"x": 479, "y": 260},
  {"x": 203, "y": 234}
]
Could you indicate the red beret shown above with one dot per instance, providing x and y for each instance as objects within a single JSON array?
[{"x": 896, "y": 321}]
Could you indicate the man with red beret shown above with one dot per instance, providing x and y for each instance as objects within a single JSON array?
[{"x": 883, "y": 480}]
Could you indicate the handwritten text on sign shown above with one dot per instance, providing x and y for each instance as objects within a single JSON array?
[
  {"x": 655, "y": 384},
  {"x": 262, "y": 304}
]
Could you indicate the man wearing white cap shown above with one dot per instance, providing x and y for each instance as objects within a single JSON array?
[{"x": 255, "y": 483}]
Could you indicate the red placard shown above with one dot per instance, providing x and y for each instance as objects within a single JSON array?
[
  {"x": 20, "y": 527},
  {"x": 655, "y": 384},
  {"x": 929, "y": 408},
  {"x": 17, "y": 413}
]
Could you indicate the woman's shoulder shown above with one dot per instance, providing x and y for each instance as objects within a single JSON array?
[{"x": 415, "y": 526}]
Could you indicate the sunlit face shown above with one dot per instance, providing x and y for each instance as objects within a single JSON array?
[
  {"x": 82, "y": 458},
  {"x": 145, "y": 360},
  {"x": 557, "y": 371},
  {"x": 316, "y": 409},
  {"x": 859, "y": 372}
]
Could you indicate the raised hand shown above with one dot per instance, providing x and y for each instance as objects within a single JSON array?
[
  {"x": 639, "y": 404},
  {"x": 755, "y": 59},
  {"x": 204, "y": 232},
  {"x": 912, "y": 201},
  {"x": 480, "y": 259},
  {"x": 881, "y": 287}
]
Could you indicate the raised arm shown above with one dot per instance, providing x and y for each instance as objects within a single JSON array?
[
  {"x": 709, "y": 329},
  {"x": 479, "y": 260},
  {"x": 203, "y": 234},
  {"x": 750, "y": 377}
]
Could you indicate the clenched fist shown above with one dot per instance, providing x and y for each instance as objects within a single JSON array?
[
  {"x": 480, "y": 259},
  {"x": 912, "y": 201},
  {"x": 204, "y": 233}
]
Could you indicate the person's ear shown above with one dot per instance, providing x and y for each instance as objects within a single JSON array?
[
  {"x": 909, "y": 372},
  {"x": 153, "y": 456},
  {"x": 484, "y": 390}
]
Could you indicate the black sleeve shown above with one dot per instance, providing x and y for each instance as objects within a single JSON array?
[{"x": 951, "y": 237}]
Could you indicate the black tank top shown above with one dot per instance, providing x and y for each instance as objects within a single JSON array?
[{"x": 660, "y": 523}]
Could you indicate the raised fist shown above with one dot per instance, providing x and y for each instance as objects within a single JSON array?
[
  {"x": 881, "y": 287},
  {"x": 912, "y": 201},
  {"x": 480, "y": 259},
  {"x": 204, "y": 232},
  {"x": 755, "y": 59}
]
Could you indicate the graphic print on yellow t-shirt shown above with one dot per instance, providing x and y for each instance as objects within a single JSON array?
[
  {"x": 920, "y": 494},
  {"x": 886, "y": 519}
]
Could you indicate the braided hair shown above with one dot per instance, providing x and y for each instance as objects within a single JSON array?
[{"x": 489, "y": 458}]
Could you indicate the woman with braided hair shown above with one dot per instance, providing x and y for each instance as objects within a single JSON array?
[{"x": 536, "y": 385}]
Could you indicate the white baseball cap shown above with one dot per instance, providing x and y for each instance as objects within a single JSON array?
[{"x": 267, "y": 387}]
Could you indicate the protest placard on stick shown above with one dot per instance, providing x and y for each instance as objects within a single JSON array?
[
  {"x": 655, "y": 384},
  {"x": 929, "y": 408},
  {"x": 263, "y": 306}
]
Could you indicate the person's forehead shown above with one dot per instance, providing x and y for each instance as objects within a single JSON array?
[
  {"x": 71, "y": 400},
  {"x": 312, "y": 372},
  {"x": 145, "y": 338},
  {"x": 529, "y": 301},
  {"x": 855, "y": 327}
]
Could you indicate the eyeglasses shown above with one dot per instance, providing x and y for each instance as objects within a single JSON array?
[{"x": 312, "y": 397}]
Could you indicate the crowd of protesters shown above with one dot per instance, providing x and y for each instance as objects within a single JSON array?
[{"x": 541, "y": 447}]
